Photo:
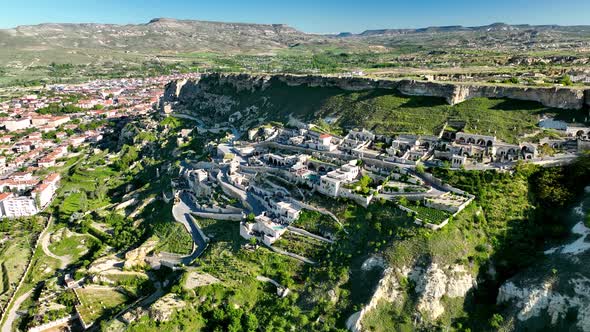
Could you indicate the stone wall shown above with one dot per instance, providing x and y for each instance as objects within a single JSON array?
[
  {"x": 220, "y": 216},
  {"x": 558, "y": 97}
]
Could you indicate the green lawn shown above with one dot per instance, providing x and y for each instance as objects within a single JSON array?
[
  {"x": 173, "y": 236},
  {"x": 317, "y": 223},
  {"x": 14, "y": 255}
]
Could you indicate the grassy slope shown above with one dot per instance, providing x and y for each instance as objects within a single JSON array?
[
  {"x": 478, "y": 236},
  {"x": 512, "y": 221},
  {"x": 388, "y": 112}
]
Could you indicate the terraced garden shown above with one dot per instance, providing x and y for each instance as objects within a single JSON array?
[
  {"x": 317, "y": 223},
  {"x": 74, "y": 246},
  {"x": 427, "y": 214},
  {"x": 226, "y": 260},
  {"x": 301, "y": 245}
]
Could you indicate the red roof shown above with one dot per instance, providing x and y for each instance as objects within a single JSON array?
[
  {"x": 52, "y": 177},
  {"x": 41, "y": 187}
]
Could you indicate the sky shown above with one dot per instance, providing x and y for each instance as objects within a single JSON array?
[{"x": 313, "y": 16}]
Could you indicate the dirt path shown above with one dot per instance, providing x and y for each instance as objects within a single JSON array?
[
  {"x": 11, "y": 315},
  {"x": 65, "y": 260}
]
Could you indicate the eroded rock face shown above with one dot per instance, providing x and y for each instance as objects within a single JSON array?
[
  {"x": 137, "y": 256},
  {"x": 389, "y": 289},
  {"x": 531, "y": 300},
  {"x": 432, "y": 282},
  {"x": 565, "y": 98}
]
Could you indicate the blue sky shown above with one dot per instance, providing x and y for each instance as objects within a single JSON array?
[{"x": 307, "y": 15}]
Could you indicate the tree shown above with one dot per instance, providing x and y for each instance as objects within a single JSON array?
[
  {"x": 250, "y": 322},
  {"x": 420, "y": 168},
  {"x": 67, "y": 298},
  {"x": 512, "y": 80},
  {"x": 403, "y": 201},
  {"x": 566, "y": 80},
  {"x": 100, "y": 191},
  {"x": 364, "y": 183},
  {"x": 129, "y": 154},
  {"x": 496, "y": 321},
  {"x": 551, "y": 188},
  {"x": 83, "y": 201},
  {"x": 251, "y": 217}
]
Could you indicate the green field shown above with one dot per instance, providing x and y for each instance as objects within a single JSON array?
[
  {"x": 429, "y": 215},
  {"x": 14, "y": 256},
  {"x": 74, "y": 246},
  {"x": 174, "y": 238},
  {"x": 97, "y": 302}
]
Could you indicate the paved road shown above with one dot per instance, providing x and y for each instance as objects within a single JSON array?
[
  {"x": 257, "y": 207},
  {"x": 181, "y": 212},
  {"x": 11, "y": 315},
  {"x": 290, "y": 254},
  {"x": 557, "y": 160},
  {"x": 266, "y": 279},
  {"x": 200, "y": 122},
  {"x": 303, "y": 232}
]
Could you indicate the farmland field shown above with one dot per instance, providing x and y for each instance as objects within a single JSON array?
[{"x": 99, "y": 301}]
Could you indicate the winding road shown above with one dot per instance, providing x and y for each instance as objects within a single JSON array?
[
  {"x": 13, "y": 312},
  {"x": 182, "y": 214}
]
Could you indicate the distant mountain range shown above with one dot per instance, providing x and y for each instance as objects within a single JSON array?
[
  {"x": 158, "y": 34},
  {"x": 82, "y": 43},
  {"x": 495, "y": 27}
]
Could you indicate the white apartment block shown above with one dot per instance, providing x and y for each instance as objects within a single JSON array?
[
  {"x": 17, "y": 124},
  {"x": 14, "y": 207},
  {"x": 264, "y": 229},
  {"x": 330, "y": 183}
]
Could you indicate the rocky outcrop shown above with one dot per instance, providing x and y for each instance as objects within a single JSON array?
[
  {"x": 136, "y": 257},
  {"x": 558, "y": 97},
  {"x": 432, "y": 282},
  {"x": 532, "y": 300},
  {"x": 389, "y": 290},
  {"x": 165, "y": 307}
]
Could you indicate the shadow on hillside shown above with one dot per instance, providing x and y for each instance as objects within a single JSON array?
[
  {"x": 413, "y": 101},
  {"x": 521, "y": 105},
  {"x": 519, "y": 250},
  {"x": 375, "y": 93},
  {"x": 419, "y": 102}
]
